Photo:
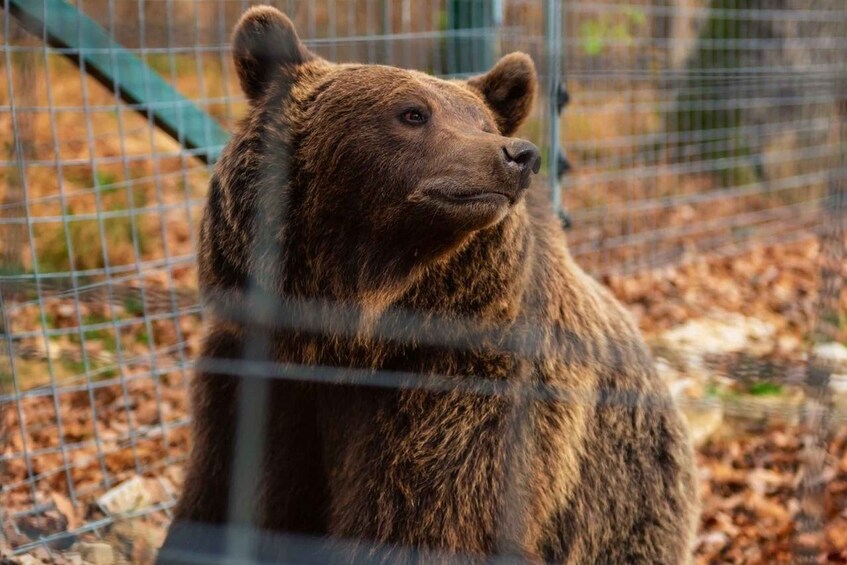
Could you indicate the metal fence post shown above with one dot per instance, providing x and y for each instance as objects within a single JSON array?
[
  {"x": 470, "y": 44},
  {"x": 557, "y": 99}
]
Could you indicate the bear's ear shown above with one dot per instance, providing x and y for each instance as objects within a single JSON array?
[
  {"x": 509, "y": 89},
  {"x": 265, "y": 47}
]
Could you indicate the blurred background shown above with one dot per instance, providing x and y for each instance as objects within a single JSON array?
[{"x": 696, "y": 151}]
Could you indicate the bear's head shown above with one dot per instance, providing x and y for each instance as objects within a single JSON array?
[{"x": 366, "y": 174}]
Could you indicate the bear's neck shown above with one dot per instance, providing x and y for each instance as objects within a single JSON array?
[
  {"x": 481, "y": 281},
  {"x": 468, "y": 300}
]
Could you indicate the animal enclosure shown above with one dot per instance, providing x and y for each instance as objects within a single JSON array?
[{"x": 679, "y": 138}]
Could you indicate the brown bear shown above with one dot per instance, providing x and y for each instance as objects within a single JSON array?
[{"x": 399, "y": 338}]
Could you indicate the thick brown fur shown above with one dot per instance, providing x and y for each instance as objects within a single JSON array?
[{"x": 392, "y": 248}]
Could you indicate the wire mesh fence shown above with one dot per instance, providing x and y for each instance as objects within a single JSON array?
[{"x": 695, "y": 128}]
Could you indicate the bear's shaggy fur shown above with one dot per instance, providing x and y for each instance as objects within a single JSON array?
[{"x": 372, "y": 225}]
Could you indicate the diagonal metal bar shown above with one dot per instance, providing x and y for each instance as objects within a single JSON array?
[{"x": 82, "y": 39}]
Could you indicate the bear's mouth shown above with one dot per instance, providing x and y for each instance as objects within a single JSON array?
[
  {"x": 482, "y": 197},
  {"x": 450, "y": 193}
]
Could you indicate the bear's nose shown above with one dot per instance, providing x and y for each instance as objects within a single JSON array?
[{"x": 523, "y": 154}]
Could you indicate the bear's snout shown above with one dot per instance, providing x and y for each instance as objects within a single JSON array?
[{"x": 521, "y": 158}]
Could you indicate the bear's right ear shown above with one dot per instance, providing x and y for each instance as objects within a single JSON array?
[{"x": 265, "y": 47}]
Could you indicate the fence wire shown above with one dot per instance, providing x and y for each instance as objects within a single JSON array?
[{"x": 694, "y": 128}]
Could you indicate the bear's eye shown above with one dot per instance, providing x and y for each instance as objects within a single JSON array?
[{"x": 414, "y": 117}]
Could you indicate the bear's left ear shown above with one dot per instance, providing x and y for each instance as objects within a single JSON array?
[
  {"x": 265, "y": 47},
  {"x": 509, "y": 89}
]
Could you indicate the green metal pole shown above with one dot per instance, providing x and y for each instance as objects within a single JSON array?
[
  {"x": 471, "y": 36},
  {"x": 65, "y": 26}
]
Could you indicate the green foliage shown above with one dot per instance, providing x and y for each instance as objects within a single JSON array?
[
  {"x": 759, "y": 388},
  {"x": 595, "y": 34},
  {"x": 765, "y": 388},
  {"x": 133, "y": 305},
  {"x": 84, "y": 241},
  {"x": 105, "y": 181},
  {"x": 6, "y": 380},
  {"x": 142, "y": 336},
  {"x": 442, "y": 20},
  {"x": 72, "y": 367},
  {"x": 713, "y": 390},
  {"x": 104, "y": 335}
]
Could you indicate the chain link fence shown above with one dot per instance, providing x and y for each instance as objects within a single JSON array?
[{"x": 672, "y": 130}]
